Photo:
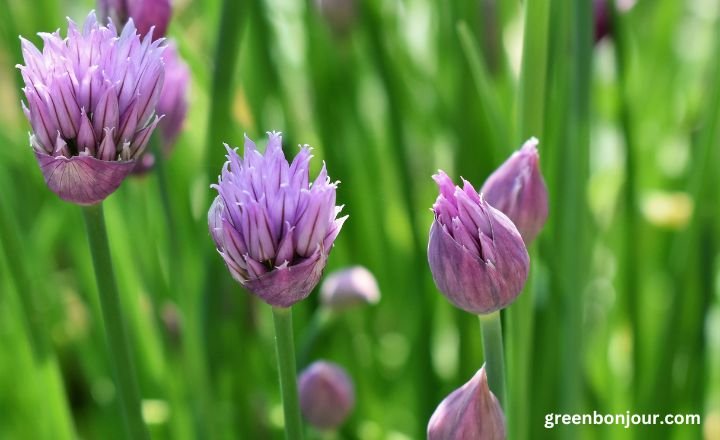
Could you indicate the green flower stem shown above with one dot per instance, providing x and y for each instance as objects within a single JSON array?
[
  {"x": 286, "y": 370},
  {"x": 115, "y": 327},
  {"x": 491, "y": 328}
]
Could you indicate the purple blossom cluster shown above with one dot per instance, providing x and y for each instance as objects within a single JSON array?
[
  {"x": 91, "y": 100},
  {"x": 272, "y": 227}
]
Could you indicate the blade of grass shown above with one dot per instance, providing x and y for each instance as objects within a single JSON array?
[
  {"x": 573, "y": 215},
  {"x": 495, "y": 126}
]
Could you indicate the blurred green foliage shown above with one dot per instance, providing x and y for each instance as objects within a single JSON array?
[{"x": 624, "y": 286}]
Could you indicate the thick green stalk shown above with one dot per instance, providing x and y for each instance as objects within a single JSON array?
[
  {"x": 531, "y": 113},
  {"x": 115, "y": 327},
  {"x": 285, "y": 347},
  {"x": 491, "y": 328}
]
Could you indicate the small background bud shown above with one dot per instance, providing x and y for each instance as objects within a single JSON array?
[
  {"x": 349, "y": 287},
  {"x": 327, "y": 395}
]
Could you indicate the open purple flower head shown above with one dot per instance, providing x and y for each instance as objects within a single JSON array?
[
  {"x": 470, "y": 412},
  {"x": 517, "y": 188},
  {"x": 477, "y": 258},
  {"x": 272, "y": 227},
  {"x": 91, "y": 103},
  {"x": 327, "y": 395}
]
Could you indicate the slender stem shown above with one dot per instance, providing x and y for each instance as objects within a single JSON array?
[
  {"x": 115, "y": 328},
  {"x": 491, "y": 328},
  {"x": 286, "y": 369}
]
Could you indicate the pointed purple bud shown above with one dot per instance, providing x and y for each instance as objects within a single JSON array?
[
  {"x": 477, "y": 257},
  {"x": 149, "y": 13},
  {"x": 327, "y": 395},
  {"x": 74, "y": 88},
  {"x": 470, "y": 412},
  {"x": 517, "y": 188},
  {"x": 277, "y": 254},
  {"x": 348, "y": 288}
]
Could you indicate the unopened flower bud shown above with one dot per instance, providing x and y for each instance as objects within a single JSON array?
[
  {"x": 477, "y": 258},
  {"x": 348, "y": 288},
  {"x": 327, "y": 395},
  {"x": 517, "y": 188},
  {"x": 470, "y": 412}
]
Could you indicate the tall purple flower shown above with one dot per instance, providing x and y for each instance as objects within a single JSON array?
[
  {"x": 91, "y": 102},
  {"x": 272, "y": 227},
  {"x": 477, "y": 258},
  {"x": 517, "y": 188}
]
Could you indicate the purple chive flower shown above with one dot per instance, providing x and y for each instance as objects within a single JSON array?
[
  {"x": 91, "y": 103},
  {"x": 477, "y": 258},
  {"x": 272, "y": 227},
  {"x": 327, "y": 395},
  {"x": 470, "y": 412},
  {"x": 349, "y": 287},
  {"x": 146, "y": 14},
  {"x": 517, "y": 188}
]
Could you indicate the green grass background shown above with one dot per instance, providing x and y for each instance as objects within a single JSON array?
[{"x": 621, "y": 312}]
